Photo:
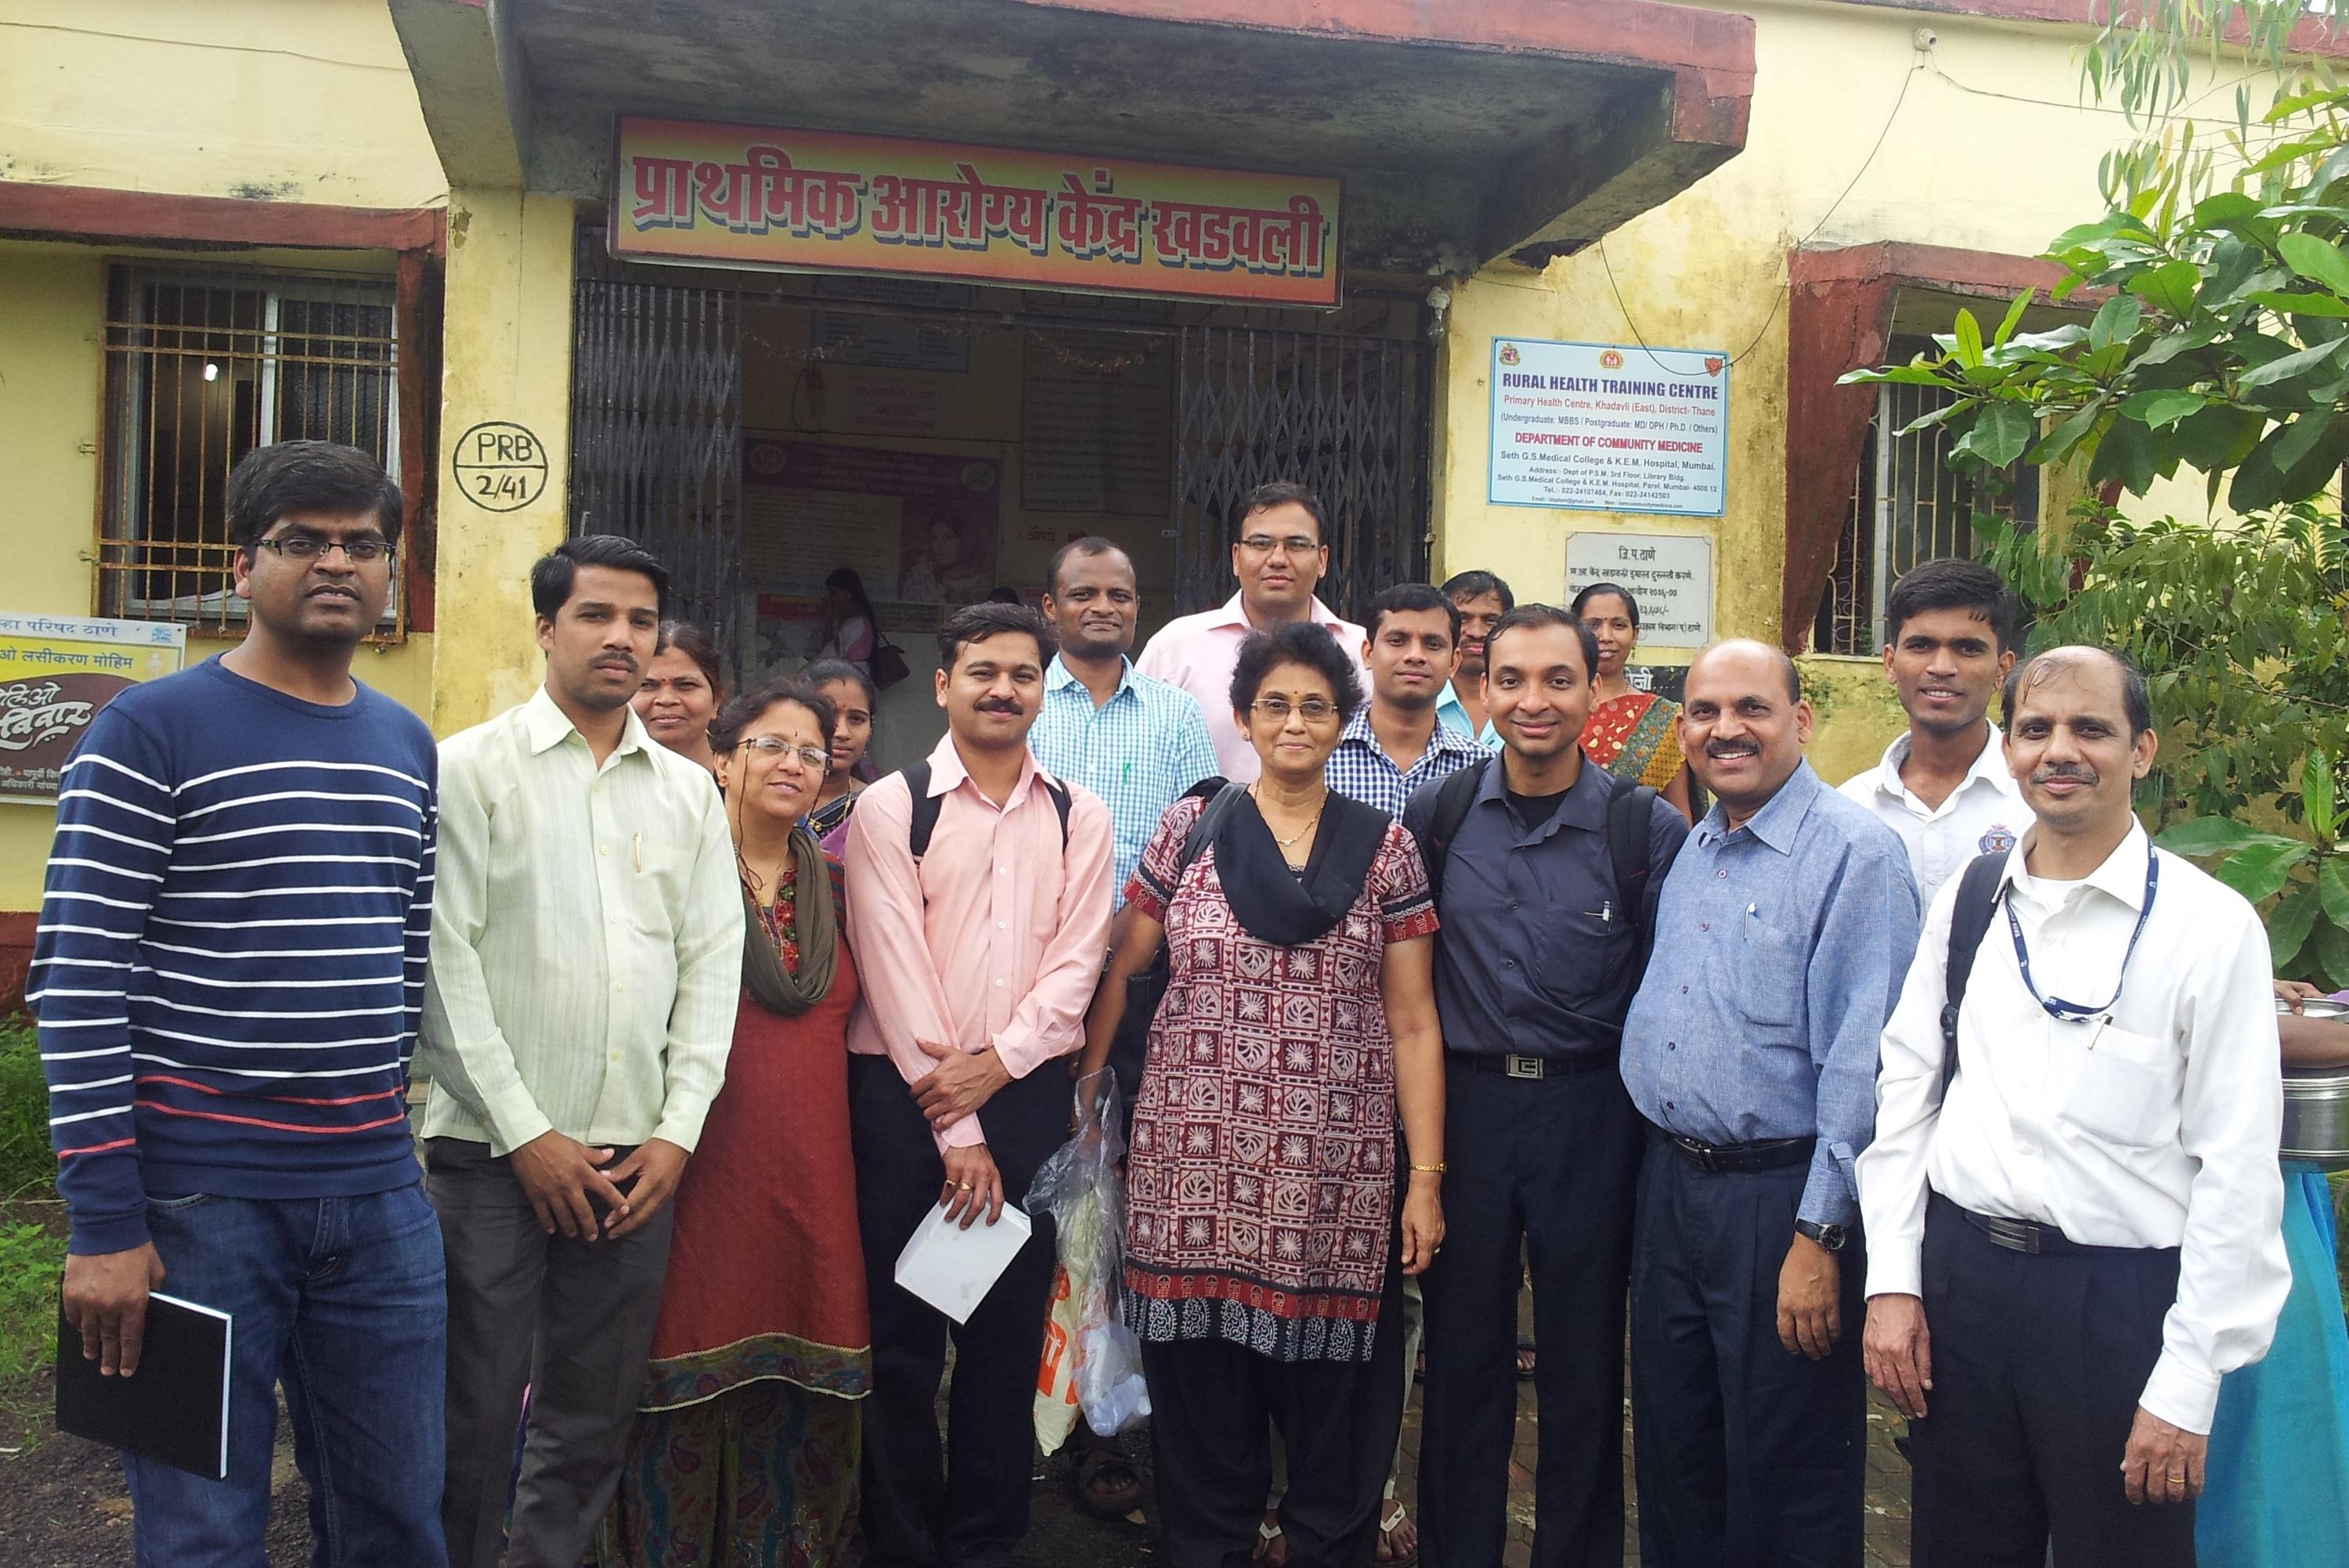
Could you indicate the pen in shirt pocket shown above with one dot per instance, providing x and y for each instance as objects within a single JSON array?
[
  {"x": 1752, "y": 919},
  {"x": 640, "y": 852}
]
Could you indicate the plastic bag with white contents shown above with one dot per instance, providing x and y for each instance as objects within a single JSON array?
[{"x": 1083, "y": 1187}]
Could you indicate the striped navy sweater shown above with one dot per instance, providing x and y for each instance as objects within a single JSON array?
[{"x": 230, "y": 962}]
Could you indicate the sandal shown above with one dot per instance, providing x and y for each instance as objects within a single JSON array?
[
  {"x": 1271, "y": 1545},
  {"x": 1524, "y": 1357},
  {"x": 1108, "y": 1486},
  {"x": 1395, "y": 1519}
]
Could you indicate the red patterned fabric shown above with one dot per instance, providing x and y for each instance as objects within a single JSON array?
[{"x": 1262, "y": 1179}]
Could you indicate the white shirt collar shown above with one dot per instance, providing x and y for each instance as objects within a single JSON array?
[
  {"x": 1989, "y": 765},
  {"x": 2122, "y": 874}
]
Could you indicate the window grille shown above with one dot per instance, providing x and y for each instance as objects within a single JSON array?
[
  {"x": 1908, "y": 505},
  {"x": 201, "y": 366}
]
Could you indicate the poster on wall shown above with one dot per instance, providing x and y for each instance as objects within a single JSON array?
[
  {"x": 56, "y": 673},
  {"x": 1595, "y": 427},
  {"x": 1670, "y": 574}
]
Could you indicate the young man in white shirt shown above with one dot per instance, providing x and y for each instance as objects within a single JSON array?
[
  {"x": 2073, "y": 1226},
  {"x": 1943, "y": 784}
]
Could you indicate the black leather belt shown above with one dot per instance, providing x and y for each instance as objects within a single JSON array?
[
  {"x": 1761, "y": 1154},
  {"x": 2028, "y": 1235},
  {"x": 1518, "y": 1067}
]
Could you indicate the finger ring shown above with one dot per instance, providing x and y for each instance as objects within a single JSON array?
[
  {"x": 962, "y": 1186},
  {"x": 2176, "y": 1475}
]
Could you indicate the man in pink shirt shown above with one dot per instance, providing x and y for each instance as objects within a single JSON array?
[
  {"x": 978, "y": 912},
  {"x": 1281, "y": 551}
]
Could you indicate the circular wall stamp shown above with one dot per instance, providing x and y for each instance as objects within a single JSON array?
[{"x": 499, "y": 466}]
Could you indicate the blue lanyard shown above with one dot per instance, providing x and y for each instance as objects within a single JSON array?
[{"x": 2057, "y": 1009}]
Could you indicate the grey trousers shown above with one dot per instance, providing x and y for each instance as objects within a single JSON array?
[{"x": 574, "y": 1320}]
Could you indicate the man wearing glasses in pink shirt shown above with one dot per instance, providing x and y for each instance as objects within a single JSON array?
[
  {"x": 979, "y": 909},
  {"x": 1280, "y": 552}
]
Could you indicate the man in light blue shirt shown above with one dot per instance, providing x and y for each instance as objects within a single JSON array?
[
  {"x": 1781, "y": 937},
  {"x": 1137, "y": 743},
  {"x": 1483, "y": 599}
]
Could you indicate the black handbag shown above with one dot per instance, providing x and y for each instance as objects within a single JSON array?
[{"x": 888, "y": 660}]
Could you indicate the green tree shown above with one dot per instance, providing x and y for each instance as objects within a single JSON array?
[{"x": 2219, "y": 341}]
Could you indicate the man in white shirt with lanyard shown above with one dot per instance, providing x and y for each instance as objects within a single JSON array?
[
  {"x": 2074, "y": 1223},
  {"x": 1943, "y": 784}
]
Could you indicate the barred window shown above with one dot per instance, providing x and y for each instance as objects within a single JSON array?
[
  {"x": 201, "y": 366},
  {"x": 1907, "y": 505}
]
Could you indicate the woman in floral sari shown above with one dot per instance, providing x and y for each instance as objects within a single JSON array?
[
  {"x": 747, "y": 1438},
  {"x": 1633, "y": 734}
]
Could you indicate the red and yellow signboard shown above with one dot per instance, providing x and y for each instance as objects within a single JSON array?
[{"x": 750, "y": 196}]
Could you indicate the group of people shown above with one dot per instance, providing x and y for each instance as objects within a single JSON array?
[{"x": 1432, "y": 956}]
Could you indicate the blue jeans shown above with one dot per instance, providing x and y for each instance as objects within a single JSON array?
[{"x": 343, "y": 1300}]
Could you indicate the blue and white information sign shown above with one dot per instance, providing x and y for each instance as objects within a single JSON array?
[{"x": 1595, "y": 427}]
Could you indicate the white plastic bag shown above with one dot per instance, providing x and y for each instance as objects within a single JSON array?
[{"x": 1083, "y": 1188}]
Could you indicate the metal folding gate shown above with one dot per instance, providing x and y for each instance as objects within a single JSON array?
[
  {"x": 1343, "y": 414},
  {"x": 657, "y": 438},
  {"x": 655, "y": 431}
]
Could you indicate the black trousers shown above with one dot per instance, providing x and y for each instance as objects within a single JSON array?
[
  {"x": 1542, "y": 1169},
  {"x": 1748, "y": 1455},
  {"x": 1212, "y": 1407},
  {"x": 2038, "y": 1361},
  {"x": 968, "y": 1504}
]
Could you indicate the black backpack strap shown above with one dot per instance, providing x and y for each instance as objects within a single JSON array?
[
  {"x": 1968, "y": 923},
  {"x": 1629, "y": 850},
  {"x": 925, "y": 807},
  {"x": 1452, "y": 798},
  {"x": 1205, "y": 826},
  {"x": 1060, "y": 803}
]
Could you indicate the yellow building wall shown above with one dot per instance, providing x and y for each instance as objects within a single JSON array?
[
  {"x": 279, "y": 100},
  {"x": 1958, "y": 168}
]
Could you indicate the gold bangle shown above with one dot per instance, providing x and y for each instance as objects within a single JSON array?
[{"x": 1436, "y": 1169}]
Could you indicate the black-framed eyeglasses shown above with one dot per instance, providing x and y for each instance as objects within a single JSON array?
[{"x": 309, "y": 547}]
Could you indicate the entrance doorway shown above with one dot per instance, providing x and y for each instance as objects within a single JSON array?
[{"x": 757, "y": 431}]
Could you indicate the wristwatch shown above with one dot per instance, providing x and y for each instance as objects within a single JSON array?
[{"x": 1831, "y": 1237}]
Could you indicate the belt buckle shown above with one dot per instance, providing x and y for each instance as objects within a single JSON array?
[
  {"x": 2015, "y": 1236},
  {"x": 1518, "y": 1067}
]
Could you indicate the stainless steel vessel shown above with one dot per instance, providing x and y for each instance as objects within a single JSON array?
[{"x": 2316, "y": 1102}]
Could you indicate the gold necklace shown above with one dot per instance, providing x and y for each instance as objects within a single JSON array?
[{"x": 1290, "y": 842}]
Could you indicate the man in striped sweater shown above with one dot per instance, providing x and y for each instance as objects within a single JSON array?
[{"x": 227, "y": 979}]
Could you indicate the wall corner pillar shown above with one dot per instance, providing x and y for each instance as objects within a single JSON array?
[{"x": 505, "y": 442}]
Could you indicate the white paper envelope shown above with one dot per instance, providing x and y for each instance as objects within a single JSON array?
[{"x": 953, "y": 1269}]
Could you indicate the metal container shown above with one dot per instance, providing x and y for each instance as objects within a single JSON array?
[{"x": 2316, "y": 1102}]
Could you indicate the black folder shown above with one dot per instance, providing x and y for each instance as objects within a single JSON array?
[{"x": 174, "y": 1409}]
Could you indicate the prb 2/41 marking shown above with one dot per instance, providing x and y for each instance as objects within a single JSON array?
[{"x": 499, "y": 466}]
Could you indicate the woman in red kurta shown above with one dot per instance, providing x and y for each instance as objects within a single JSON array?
[{"x": 748, "y": 1444}]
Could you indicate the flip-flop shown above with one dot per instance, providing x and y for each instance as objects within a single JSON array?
[
  {"x": 1116, "y": 1501},
  {"x": 1387, "y": 1523},
  {"x": 1268, "y": 1536},
  {"x": 1525, "y": 1344}
]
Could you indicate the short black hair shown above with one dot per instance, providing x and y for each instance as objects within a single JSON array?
[
  {"x": 824, "y": 672},
  {"x": 695, "y": 643},
  {"x": 308, "y": 475},
  {"x": 1408, "y": 596},
  {"x": 552, "y": 577},
  {"x": 726, "y": 729},
  {"x": 1476, "y": 585},
  {"x": 976, "y": 623},
  {"x": 1281, "y": 493},
  {"x": 1091, "y": 544},
  {"x": 1948, "y": 583},
  {"x": 1630, "y": 605},
  {"x": 1295, "y": 642},
  {"x": 2136, "y": 696},
  {"x": 1530, "y": 615}
]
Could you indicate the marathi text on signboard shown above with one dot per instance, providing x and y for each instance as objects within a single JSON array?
[
  {"x": 828, "y": 201},
  {"x": 56, "y": 673},
  {"x": 1591, "y": 427},
  {"x": 1670, "y": 574}
]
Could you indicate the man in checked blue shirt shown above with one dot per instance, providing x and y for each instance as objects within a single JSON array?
[
  {"x": 1395, "y": 743},
  {"x": 1781, "y": 938},
  {"x": 1137, "y": 743}
]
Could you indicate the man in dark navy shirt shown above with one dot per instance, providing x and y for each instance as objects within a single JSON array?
[{"x": 1542, "y": 948}]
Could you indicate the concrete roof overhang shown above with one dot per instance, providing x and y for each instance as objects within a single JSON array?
[{"x": 1466, "y": 131}]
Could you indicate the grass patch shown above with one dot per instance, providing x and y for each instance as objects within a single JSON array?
[
  {"x": 27, "y": 1168},
  {"x": 31, "y": 1259}
]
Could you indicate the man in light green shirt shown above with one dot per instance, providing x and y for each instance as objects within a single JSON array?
[{"x": 586, "y": 958}]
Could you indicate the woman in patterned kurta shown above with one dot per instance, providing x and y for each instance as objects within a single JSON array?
[
  {"x": 1262, "y": 1261},
  {"x": 1634, "y": 735}
]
